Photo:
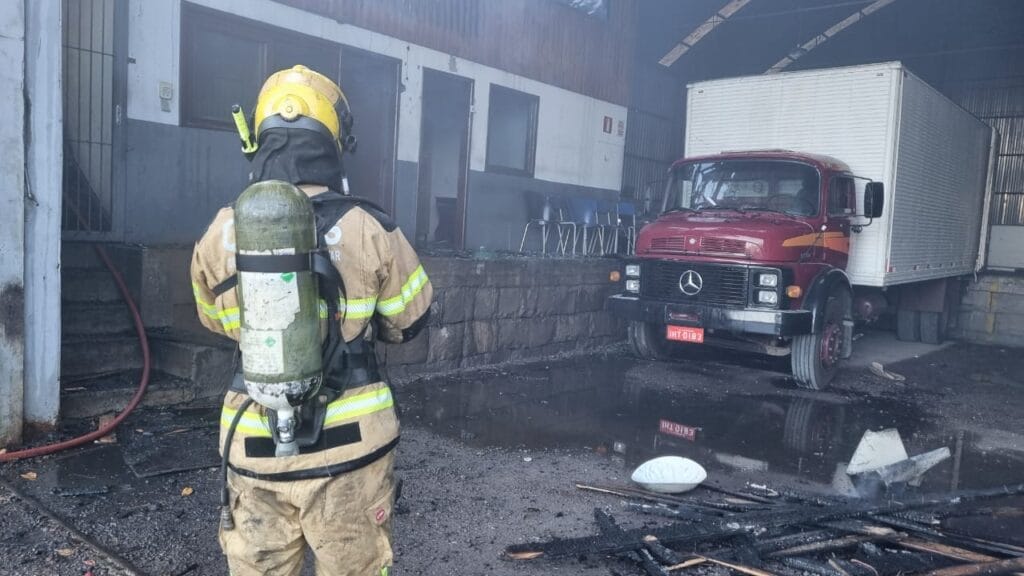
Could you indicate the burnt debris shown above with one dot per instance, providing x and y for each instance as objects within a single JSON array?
[{"x": 761, "y": 532}]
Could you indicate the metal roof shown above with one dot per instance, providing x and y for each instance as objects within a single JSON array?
[{"x": 939, "y": 40}]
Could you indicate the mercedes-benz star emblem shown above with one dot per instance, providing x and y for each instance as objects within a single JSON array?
[{"x": 691, "y": 283}]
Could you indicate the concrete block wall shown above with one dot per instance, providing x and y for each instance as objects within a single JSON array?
[
  {"x": 992, "y": 311},
  {"x": 492, "y": 311},
  {"x": 484, "y": 311}
]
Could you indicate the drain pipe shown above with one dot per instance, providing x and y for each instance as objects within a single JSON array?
[{"x": 140, "y": 330}]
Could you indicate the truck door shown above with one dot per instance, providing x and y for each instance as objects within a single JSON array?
[{"x": 841, "y": 203}]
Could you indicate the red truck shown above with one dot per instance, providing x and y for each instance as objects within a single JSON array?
[{"x": 857, "y": 192}]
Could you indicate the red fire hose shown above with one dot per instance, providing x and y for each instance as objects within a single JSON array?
[{"x": 143, "y": 381}]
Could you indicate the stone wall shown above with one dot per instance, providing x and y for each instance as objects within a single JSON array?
[
  {"x": 484, "y": 311},
  {"x": 992, "y": 311},
  {"x": 492, "y": 311}
]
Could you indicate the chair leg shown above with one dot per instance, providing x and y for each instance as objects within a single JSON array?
[
  {"x": 544, "y": 230},
  {"x": 564, "y": 231},
  {"x": 522, "y": 244},
  {"x": 611, "y": 243},
  {"x": 598, "y": 241},
  {"x": 572, "y": 230}
]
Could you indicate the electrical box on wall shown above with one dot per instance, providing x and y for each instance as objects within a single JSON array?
[{"x": 166, "y": 94}]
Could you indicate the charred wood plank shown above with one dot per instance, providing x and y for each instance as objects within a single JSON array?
[
  {"x": 1008, "y": 566},
  {"x": 662, "y": 553},
  {"x": 945, "y": 550},
  {"x": 824, "y": 546},
  {"x": 625, "y": 492},
  {"x": 819, "y": 568}
]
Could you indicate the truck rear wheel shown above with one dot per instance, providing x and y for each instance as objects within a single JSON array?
[
  {"x": 815, "y": 357},
  {"x": 933, "y": 327},
  {"x": 647, "y": 341},
  {"x": 908, "y": 325}
]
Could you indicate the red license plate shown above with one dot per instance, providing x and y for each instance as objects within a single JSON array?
[
  {"x": 685, "y": 334},
  {"x": 679, "y": 430}
]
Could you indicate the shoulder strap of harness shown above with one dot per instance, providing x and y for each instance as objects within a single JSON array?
[{"x": 328, "y": 208}]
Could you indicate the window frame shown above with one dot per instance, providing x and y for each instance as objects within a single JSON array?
[
  {"x": 196, "y": 19},
  {"x": 531, "y": 132},
  {"x": 851, "y": 199}
]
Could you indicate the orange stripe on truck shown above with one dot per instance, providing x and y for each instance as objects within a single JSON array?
[{"x": 836, "y": 241}]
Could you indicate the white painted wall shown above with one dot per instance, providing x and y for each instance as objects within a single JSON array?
[
  {"x": 43, "y": 212},
  {"x": 571, "y": 145},
  {"x": 12, "y": 221}
]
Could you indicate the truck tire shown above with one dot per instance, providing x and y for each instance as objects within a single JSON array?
[
  {"x": 932, "y": 327},
  {"x": 908, "y": 325},
  {"x": 646, "y": 341},
  {"x": 815, "y": 357}
]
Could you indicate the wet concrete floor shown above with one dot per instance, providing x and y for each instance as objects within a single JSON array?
[
  {"x": 615, "y": 406},
  {"x": 489, "y": 458}
]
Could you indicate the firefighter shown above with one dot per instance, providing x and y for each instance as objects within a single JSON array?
[{"x": 335, "y": 495}]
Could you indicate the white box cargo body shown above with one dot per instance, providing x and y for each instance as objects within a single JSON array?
[{"x": 888, "y": 126}]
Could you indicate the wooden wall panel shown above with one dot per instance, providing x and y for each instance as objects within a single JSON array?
[{"x": 538, "y": 39}]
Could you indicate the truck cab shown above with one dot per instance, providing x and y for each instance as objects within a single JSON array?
[{"x": 749, "y": 253}]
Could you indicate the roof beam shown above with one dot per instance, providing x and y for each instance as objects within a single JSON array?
[
  {"x": 825, "y": 36},
  {"x": 684, "y": 45}
]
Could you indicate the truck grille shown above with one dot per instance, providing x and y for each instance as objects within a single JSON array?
[
  {"x": 727, "y": 246},
  {"x": 698, "y": 245},
  {"x": 723, "y": 285}
]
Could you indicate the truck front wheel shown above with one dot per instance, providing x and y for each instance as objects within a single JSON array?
[
  {"x": 647, "y": 340},
  {"x": 815, "y": 357}
]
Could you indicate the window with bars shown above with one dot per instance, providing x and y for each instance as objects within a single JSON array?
[{"x": 88, "y": 69}]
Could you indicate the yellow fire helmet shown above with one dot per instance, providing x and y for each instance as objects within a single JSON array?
[{"x": 301, "y": 98}]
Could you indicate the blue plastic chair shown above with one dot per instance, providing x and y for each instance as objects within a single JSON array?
[
  {"x": 583, "y": 213},
  {"x": 564, "y": 224}
]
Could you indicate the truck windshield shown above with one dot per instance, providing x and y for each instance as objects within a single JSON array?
[{"x": 744, "y": 185}]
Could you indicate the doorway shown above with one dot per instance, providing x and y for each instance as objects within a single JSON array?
[
  {"x": 370, "y": 83},
  {"x": 444, "y": 160}
]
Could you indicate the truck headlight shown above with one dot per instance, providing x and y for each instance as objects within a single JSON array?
[
  {"x": 632, "y": 286},
  {"x": 767, "y": 297},
  {"x": 633, "y": 270},
  {"x": 768, "y": 280}
]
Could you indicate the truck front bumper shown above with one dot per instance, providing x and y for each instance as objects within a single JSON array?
[{"x": 738, "y": 321}]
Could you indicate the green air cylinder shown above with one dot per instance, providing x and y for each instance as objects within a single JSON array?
[{"x": 275, "y": 232}]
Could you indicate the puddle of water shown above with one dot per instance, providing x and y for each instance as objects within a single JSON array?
[{"x": 612, "y": 405}]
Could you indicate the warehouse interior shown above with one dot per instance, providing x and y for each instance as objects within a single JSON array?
[{"x": 528, "y": 150}]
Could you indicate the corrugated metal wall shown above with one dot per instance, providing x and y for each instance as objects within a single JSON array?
[
  {"x": 654, "y": 136},
  {"x": 1000, "y": 103},
  {"x": 538, "y": 39}
]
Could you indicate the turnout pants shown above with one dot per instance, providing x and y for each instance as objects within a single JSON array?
[{"x": 345, "y": 520}]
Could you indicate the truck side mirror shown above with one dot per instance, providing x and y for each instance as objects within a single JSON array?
[{"x": 874, "y": 199}]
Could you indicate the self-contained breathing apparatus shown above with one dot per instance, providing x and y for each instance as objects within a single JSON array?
[{"x": 287, "y": 283}]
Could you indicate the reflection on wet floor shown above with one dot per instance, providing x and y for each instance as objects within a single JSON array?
[{"x": 608, "y": 405}]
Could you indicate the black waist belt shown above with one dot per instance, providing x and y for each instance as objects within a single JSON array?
[
  {"x": 362, "y": 369},
  {"x": 323, "y": 471}
]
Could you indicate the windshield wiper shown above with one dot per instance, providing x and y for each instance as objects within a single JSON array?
[{"x": 678, "y": 209}]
